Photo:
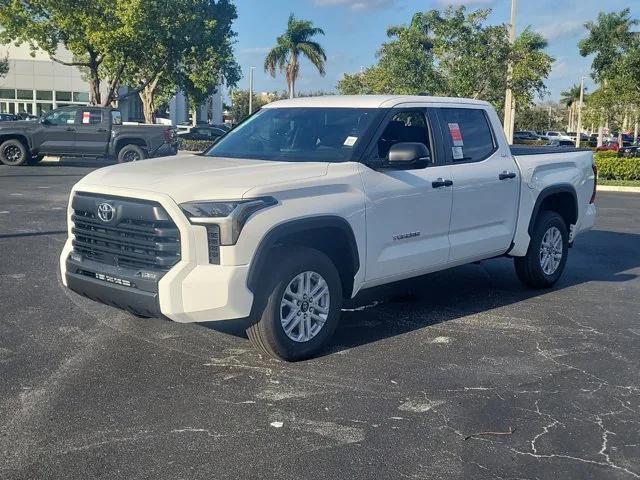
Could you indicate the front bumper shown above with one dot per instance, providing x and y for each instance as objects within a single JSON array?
[{"x": 191, "y": 291}]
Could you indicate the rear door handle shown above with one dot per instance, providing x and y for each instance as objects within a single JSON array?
[
  {"x": 441, "y": 183},
  {"x": 102, "y": 130},
  {"x": 506, "y": 175},
  {"x": 71, "y": 129}
]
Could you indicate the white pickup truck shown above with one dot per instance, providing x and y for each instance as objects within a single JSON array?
[{"x": 313, "y": 200}]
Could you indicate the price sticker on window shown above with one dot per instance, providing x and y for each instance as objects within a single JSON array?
[
  {"x": 456, "y": 135},
  {"x": 86, "y": 117},
  {"x": 350, "y": 141}
]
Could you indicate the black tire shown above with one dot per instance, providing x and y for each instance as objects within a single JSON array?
[
  {"x": 268, "y": 334},
  {"x": 529, "y": 268},
  {"x": 14, "y": 153},
  {"x": 131, "y": 153}
]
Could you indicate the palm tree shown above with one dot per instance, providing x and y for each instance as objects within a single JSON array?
[
  {"x": 570, "y": 99},
  {"x": 296, "y": 41}
]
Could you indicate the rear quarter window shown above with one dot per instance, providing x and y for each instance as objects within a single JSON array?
[{"x": 469, "y": 134}]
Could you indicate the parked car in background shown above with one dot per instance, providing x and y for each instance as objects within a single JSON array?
[
  {"x": 8, "y": 117},
  {"x": 26, "y": 116},
  {"x": 629, "y": 151},
  {"x": 82, "y": 131},
  {"x": 554, "y": 135},
  {"x": 204, "y": 132},
  {"x": 561, "y": 143},
  {"x": 525, "y": 135},
  {"x": 312, "y": 200}
]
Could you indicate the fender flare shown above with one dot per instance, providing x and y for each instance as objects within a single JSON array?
[
  {"x": 295, "y": 226},
  {"x": 547, "y": 192}
]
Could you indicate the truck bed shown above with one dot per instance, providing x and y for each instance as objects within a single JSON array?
[{"x": 520, "y": 150}]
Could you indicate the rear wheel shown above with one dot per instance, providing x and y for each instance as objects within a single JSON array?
[
  {"x": 546, "y": 257},
  {"x": 131, "y": 153},
  {"x": 14, "y": 153},
  {"x": 303, "y": 303}
]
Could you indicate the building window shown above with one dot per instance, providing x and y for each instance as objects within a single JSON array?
[
  {"x": 80, "y": 96},
  {"x": 43, "y": 108},
  {"x": 44, "y": 95},
  {"x": 7, "y": 93},
  {"x": 25, "y": 94},
  {"x": 63, "y": 96}
]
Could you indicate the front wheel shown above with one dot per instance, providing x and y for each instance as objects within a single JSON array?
[
  {"x": 303, "y": 303},
  {"x": 14, "y": 153},
  {"x": 546, "y": 257},
  {"x": 131, "y": 153}
]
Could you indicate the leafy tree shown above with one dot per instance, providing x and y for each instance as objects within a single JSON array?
[
  {"x": 240, "y": 105},
  {"x": 405, "y": 66},
  {"x": 297, "y": 41},
  {"x": 4, "y": 66},
  {"x": 95, "y": 32},
  {"x": 453, "y": 53},
  {"x": 609, "y": 38}
]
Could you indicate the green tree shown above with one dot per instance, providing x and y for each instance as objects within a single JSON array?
[
  {"x": 405, "y": 66},
  {"x": 4, "y": 66},
  {"x": 240, "y": 105},
  {"x": 189, "y": 48},
  {"x": 453, "y": 53},
  {"x": 97, "y": 33},
  {"x": 609, "y": 39},
  {"x": 297, "y": 41}
]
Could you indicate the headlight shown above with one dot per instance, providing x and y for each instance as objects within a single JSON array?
[{"x": 230, "y": 216}]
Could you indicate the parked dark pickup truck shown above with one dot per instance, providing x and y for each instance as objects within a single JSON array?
[{"x": 81, "y": 131}]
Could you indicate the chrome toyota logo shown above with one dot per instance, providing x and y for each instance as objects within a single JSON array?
[{"x": 106, "y": 212}]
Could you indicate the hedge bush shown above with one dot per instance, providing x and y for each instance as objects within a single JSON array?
[
  {"x": 614, "y": 168},
  {"x": 606, "y": 154},
  {"x": 193, "y": 145}
]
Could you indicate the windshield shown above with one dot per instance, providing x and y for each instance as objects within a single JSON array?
[{"x": 297, "y": 134}]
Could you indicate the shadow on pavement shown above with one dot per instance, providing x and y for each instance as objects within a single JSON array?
[{"x": 423, "y": 301}]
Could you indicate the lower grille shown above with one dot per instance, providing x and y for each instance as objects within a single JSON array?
[{"x": 137, "y": 234}]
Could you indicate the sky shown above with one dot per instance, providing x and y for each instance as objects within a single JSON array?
[{"x": 355, "y": 29}]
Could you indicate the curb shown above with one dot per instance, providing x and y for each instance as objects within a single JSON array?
[{"x": 613, "y": 188}]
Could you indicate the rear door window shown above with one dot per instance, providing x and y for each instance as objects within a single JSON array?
[{"x": 468, "y": 133}]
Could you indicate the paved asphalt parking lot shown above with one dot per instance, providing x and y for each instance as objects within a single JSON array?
[{"x": 409, "y": 389}]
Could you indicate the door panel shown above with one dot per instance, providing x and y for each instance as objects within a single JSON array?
[
  {"x": 407, "y": 217},
  {"x": 58, "y": 134},
  {"x": 92, "y": 135},
  {"x": 484, "y": 208}
]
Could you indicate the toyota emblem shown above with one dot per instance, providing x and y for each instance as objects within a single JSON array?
[{"x": 106, "y": 212}]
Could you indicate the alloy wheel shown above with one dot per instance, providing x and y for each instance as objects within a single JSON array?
[{"x": 304, "y": 307}]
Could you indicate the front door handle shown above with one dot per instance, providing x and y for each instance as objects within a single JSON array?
[
  {"x": 506, "y": 175},
  {"x": 439, "y": 182},
  {"x": 70, "y": 129}
]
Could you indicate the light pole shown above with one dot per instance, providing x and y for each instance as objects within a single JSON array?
[
  {"x": 579, "y": 126},
  {"x": 509, "y": 102},
  {"x": 251, "y": 89}
]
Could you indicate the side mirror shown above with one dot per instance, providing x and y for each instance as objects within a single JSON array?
[
  {"x": 407, "y": 154},
  {"x": 44, "y": 121}
]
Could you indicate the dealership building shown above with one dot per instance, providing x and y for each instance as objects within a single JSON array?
[{"x": 37, "y": 84}]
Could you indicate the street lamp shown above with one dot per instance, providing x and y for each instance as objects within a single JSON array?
[
  {"x": 251, "y": 89},
  {"x": 579, "y": 126},
  {"x": 509, "y": 101}
]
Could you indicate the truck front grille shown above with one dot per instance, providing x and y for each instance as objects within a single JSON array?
[{"x": 138, "y": 235}]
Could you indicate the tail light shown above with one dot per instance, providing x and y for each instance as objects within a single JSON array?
[
  {"x": 169, "y": 135},
  {"x": 595, "y": 183}
]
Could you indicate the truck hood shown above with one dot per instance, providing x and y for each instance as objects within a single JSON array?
[
  {"x": 18, "y": 124},
  {"x": 188, "y": 177}
]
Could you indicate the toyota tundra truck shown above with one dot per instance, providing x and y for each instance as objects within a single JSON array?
[
  {"x": 83, "y": 131},
  {"x": 310, "y": 201}
]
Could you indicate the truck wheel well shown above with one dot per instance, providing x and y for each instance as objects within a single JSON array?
[
  {"x": 20, "y": 138},
  {"x": 331, "y": 241},
  {"x": 330, "y": 235},
  {"x": 129, "y": 141},
  {"x": 564, "y": 203}
]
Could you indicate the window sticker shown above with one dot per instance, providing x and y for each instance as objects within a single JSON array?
[
  {"x": 86, "y": 117},
  {"x": 456, "y": 135},
  {"x": 457, "y": 153},
  {"x": 350, "y": 141}
]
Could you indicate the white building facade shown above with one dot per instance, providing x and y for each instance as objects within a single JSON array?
[{"x": 37, "y": 84}]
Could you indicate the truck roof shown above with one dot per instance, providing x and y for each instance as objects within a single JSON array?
[{"x": 368, "y": 101}]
